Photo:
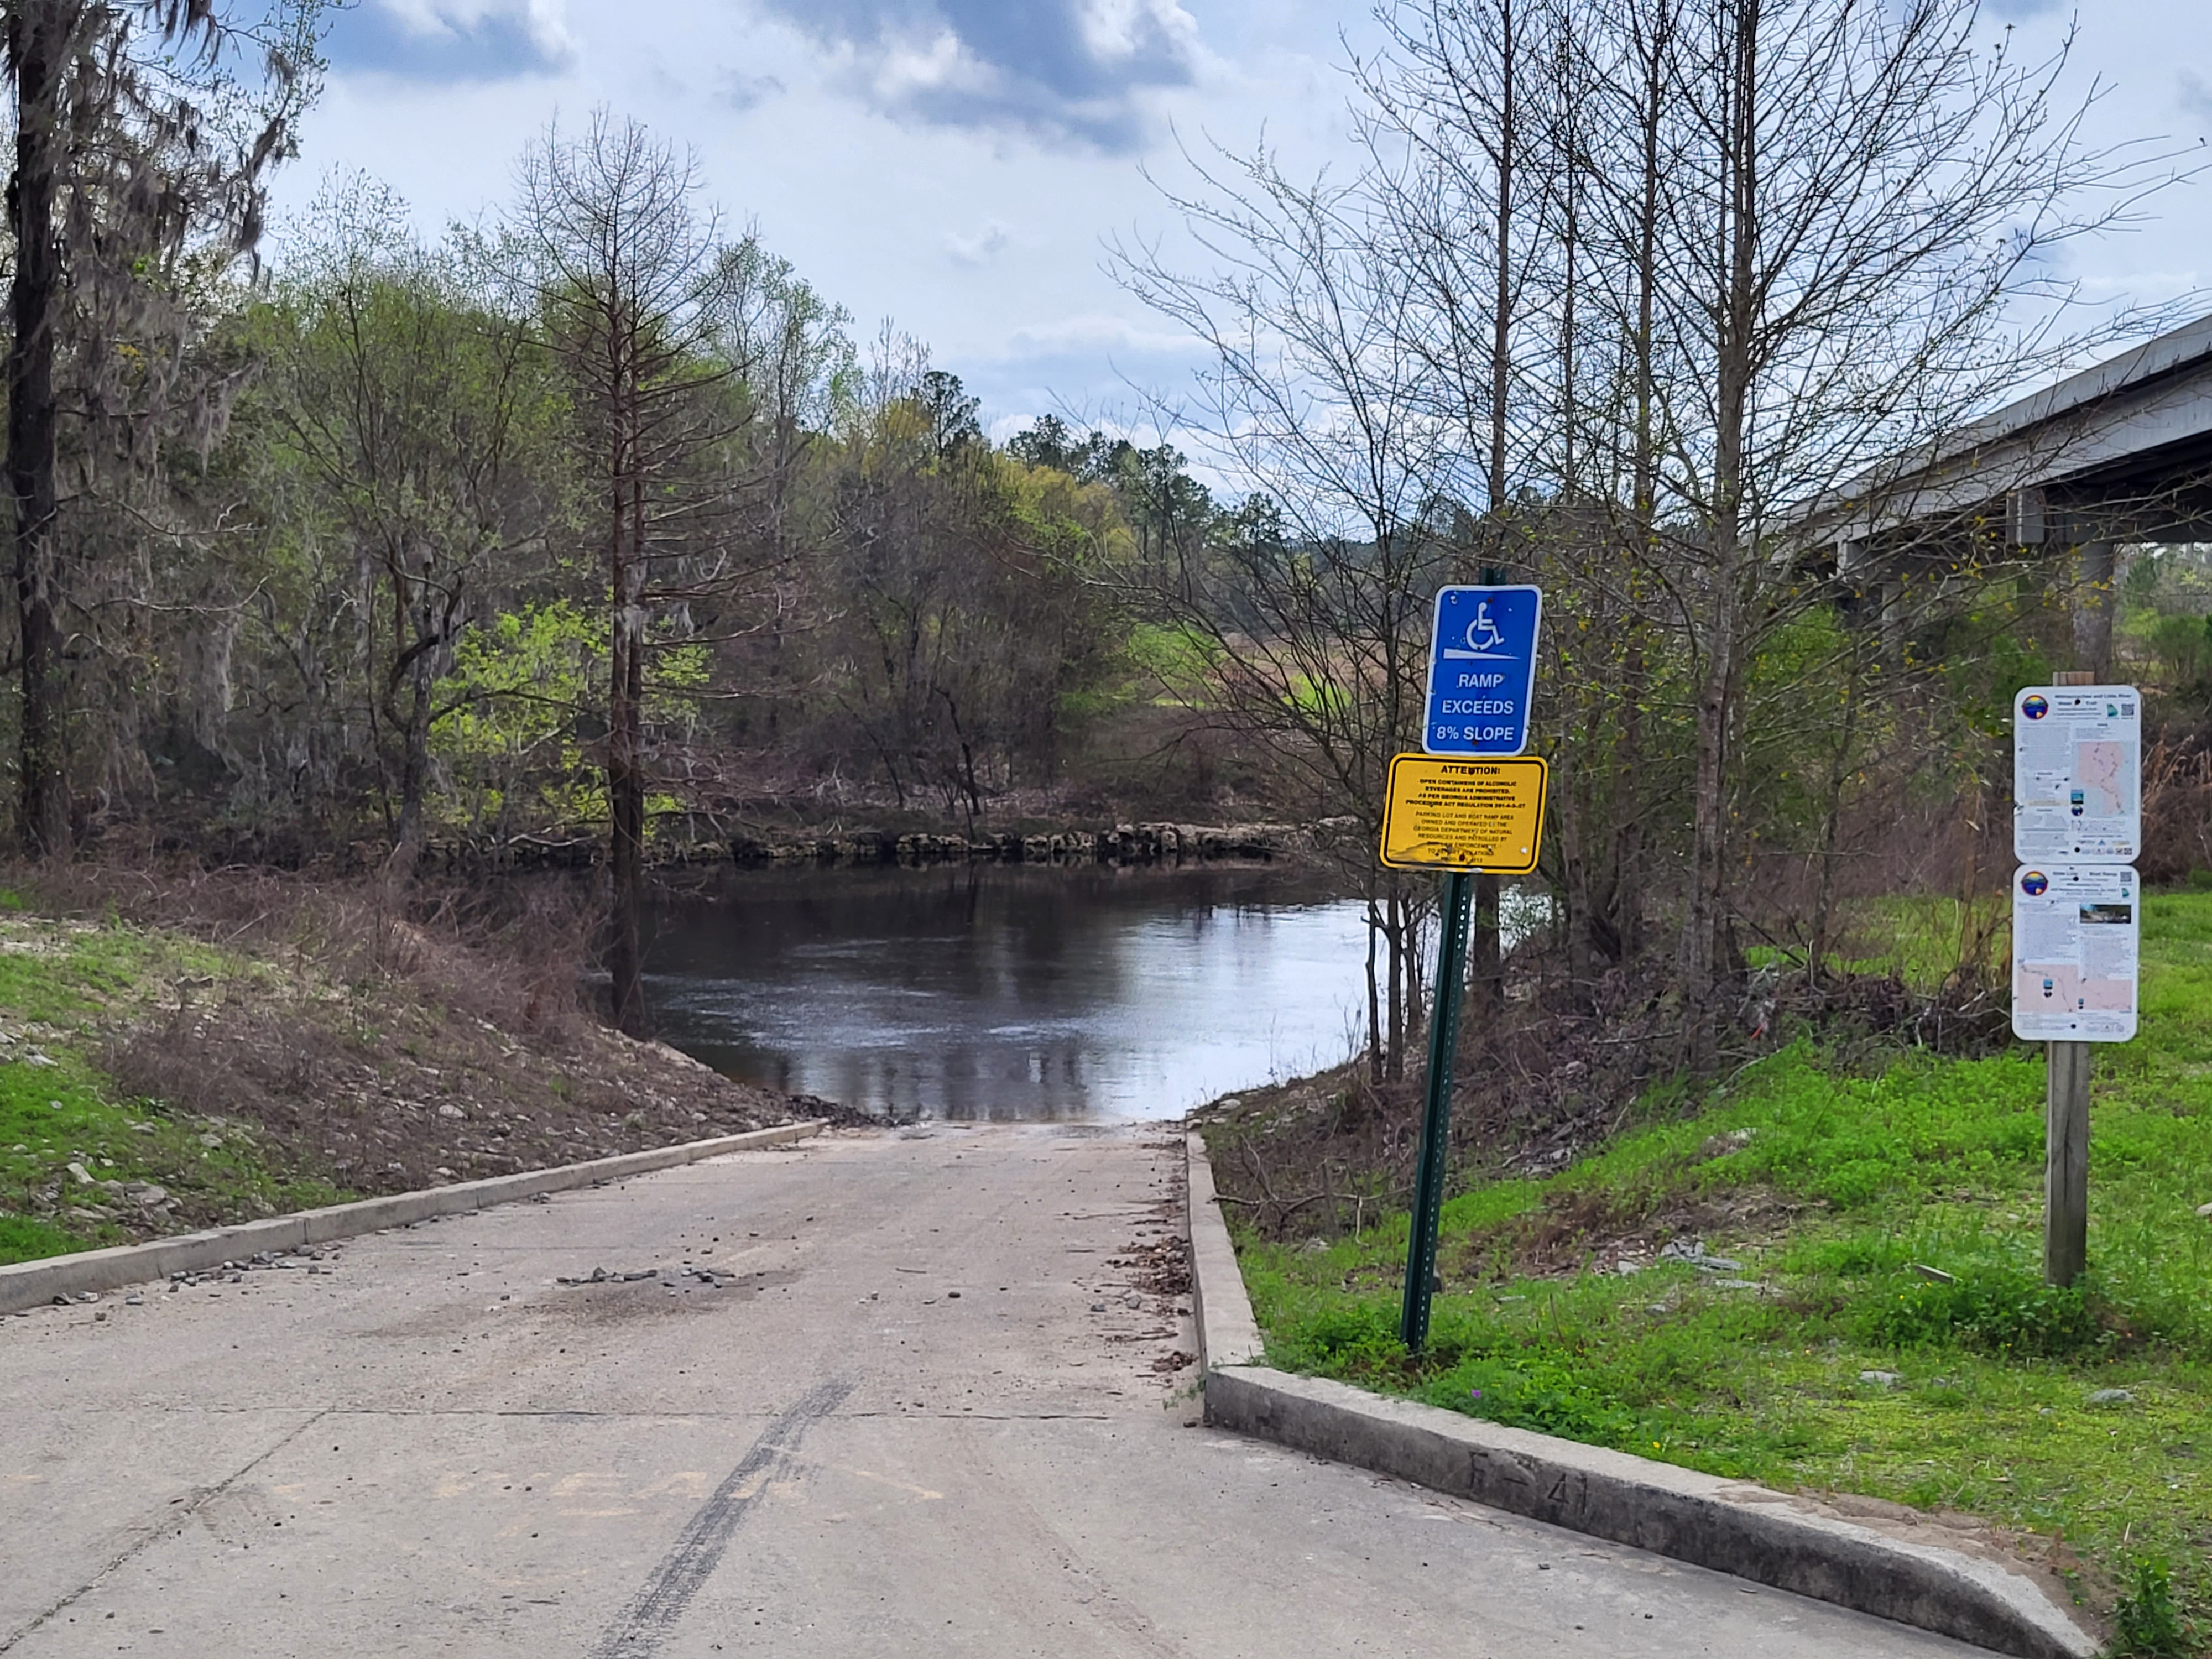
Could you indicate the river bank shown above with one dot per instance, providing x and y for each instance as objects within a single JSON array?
[
  {"x": 679, "y": 857},
  {"x": 181, "y": 1053}
]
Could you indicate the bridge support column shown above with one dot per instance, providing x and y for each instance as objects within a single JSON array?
[
  {"x": 2096, "y": 598},
  {"x": 1895, "y": 623}
]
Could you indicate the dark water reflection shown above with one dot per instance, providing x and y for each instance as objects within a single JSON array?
[{"x": 1011, "y": 993}]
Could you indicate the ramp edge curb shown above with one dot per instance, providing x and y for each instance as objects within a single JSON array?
[{"x": 34, "y": 1284}]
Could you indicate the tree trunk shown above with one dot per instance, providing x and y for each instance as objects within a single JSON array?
[
  {"x": 415, "y": 622},
  {"x": 1626, "y": 903},
  {"x": 1831, "y": 829},
  {"x": 1394, "y": 936},
  {"x": 625, "y": 745},
  {"x": 1374, "y": 998},
  {"x": 1575, "y": 808},
  {"x": 1706, "y": 912},
  {"x": 1486, "y": 972},
  {"x": 2095, "y": 601},
  {"x": 37, "y": 35},
  {"x": 414, "y": 770},
  {"x": 1417, "y": 1007}
]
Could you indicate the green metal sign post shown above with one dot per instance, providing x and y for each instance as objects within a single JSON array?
[{"x": 1435, "y": 1113}]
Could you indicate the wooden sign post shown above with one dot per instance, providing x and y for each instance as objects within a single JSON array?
[{"x": 2066, "y": 1163}]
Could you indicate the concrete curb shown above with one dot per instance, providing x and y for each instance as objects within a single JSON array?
[
  {"x": 1227, "y": 1333},
  {"x": 32, "y": 1283},
  {"x": 1732, "y": 1527}
]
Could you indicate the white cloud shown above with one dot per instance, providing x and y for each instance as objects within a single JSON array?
[
  {"x": 742, "y": 92},
  {"x": 449, "y": 40},
  {"x": 840, "y": 127},
  {"x": 2195, "y": 95},
  {"x": 1117, "y": 31},
  {"x": 1079, "y": 72},
  {"x": 985, "y": 246}
]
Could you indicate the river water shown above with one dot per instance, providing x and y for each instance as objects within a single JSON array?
[{"x": 1012, "y": 994}]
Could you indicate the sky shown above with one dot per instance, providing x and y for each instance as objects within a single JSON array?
[{"x": 955, "y": 167}]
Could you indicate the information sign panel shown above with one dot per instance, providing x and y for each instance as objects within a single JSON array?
[
  {"x": 1485, "y": 814},
  {"x": 1482, "y": 670},
  {"x": 2077, "y": 773},
  {"x": 2076, "y": 934}
]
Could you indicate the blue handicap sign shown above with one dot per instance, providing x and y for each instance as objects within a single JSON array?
[{"x": 1482, "y": 670}]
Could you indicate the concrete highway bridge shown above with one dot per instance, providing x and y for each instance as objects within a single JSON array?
[{"x": 2119, "y": 454}]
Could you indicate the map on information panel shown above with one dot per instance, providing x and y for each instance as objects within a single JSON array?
[
  {"x": 2077, "y": 773},
  {"x": 2076, "y": 934}
]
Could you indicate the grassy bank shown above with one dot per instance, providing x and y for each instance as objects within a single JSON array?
[
  {"x": 175, "y": 1055},
  {"x": 1828, "y": 1279},
  {"x": 82, "y": 1162}
]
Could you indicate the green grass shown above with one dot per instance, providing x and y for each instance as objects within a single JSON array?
[
  {"x": 57, "y": 1107},
  {"x": 1178, "y": 661},
  {"x": 1841, "y": 1185}
]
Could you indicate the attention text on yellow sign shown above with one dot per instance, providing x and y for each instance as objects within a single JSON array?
[{"x": 1483, "y": 813}]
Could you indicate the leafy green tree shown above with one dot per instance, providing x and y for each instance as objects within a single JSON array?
[
  {"x": 426, "y": 427},
  {"x": 971, "y": 622}
]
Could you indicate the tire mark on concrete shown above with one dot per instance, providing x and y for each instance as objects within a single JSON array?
[
  {"x": 640, "y": 1628},
  {"x": 191, "y": 1505}
]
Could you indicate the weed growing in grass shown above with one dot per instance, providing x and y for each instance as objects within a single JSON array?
[
  {"x": 2146, "y": 1622},
  {"x": 1999, "y": 1309}
]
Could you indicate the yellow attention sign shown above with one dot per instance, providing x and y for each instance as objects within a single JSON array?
[{"x": 1486, "y": 812}]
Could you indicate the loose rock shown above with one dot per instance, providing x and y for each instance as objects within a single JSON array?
[{"x": 1694, "y": 1253}]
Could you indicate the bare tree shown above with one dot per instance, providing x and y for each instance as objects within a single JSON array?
[
  {"x": 1857, "y": 202},
  {"x": 627, "y": 277},
  {"x": 1315, "y": 398},
  {"x": 1462, "y": 161},
  {"x": 1660, "y": 273}
]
